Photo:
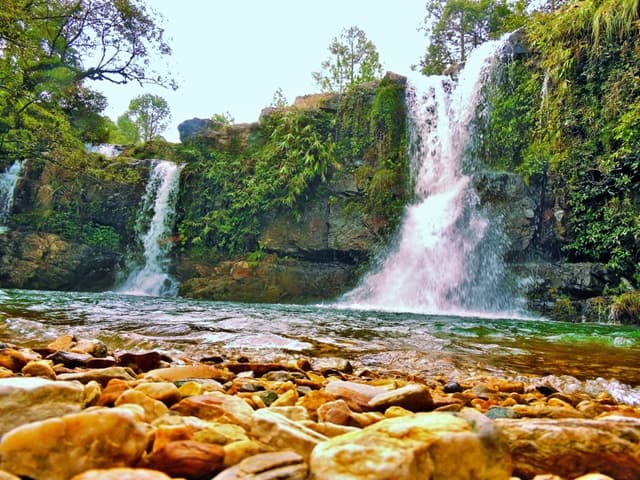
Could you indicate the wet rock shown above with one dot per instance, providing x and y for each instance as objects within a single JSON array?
[
  {"x": 337, "y": 412},
  {"x": 187, "y": 458},
  {"x": 8, "y": 476},
  {"x": 295, "y": 413},
  {"x": 112, "y": 391},
  {"x": 69, "y": 359},
  {"x": 24, "y": 400},
  {"x": 59, "y": 448},
  {"x": 101, "y": 375},
  {"x": 140, "y": 362},
  {"x": 220, "y": 434},
  {"x": 39, "y": 368},
  {"x": 573, "y": 447},
  {"x": 94, "y": 347},
  {"x": 121, "y": 474},
  {"x": 547, "y": 411},
  {"x": 414, "y": 397},
  {"x": 452, "y": 387},
  {"x": 63, "y": 342},
  {"x": 281, "y": 433},
  {"x": 357, "y": 395},
  {"x": 189, "y": 372},
  {"x": 284, "y": 465},
  {"x": 424, "y": 445},
  {"x": 218, "y": 407},
  {"x": 105, "y": 362}
]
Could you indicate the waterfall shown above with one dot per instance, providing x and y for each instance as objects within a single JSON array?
[
  {"x": 107, "y": 149},
  {"x": 8, "y": 181},
  {"x": 447, "y": 258},
  {"x": 154, "y": 224}
]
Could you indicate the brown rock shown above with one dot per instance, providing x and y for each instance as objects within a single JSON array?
[
  {"x": 174, "y": 374},
  {"x": 39, "y": 368},
  {"x": 594, "y": 476},
  {"x": 7, "y": 476},
  {"x": 28, "y": 399},
  {"x": 573, "y": 447},
  {"x": 216, "y": 406},
  {"x": 105, "y": 362},
  {"x": 284, "y": 465},
  {"x": 337, "y": 412},
  {"x": 140, "y": 362},
  {"x": 357, "y": 395},
  {"x": 187, "y": 458},
  {"x": 69, "y": 359},
  {"x": 122, "y": 474},
  {"x": 112, "y": 391},
  {"x": 59, "y": 448},
  {"x": 94, "y": 347},
  {"x": 414, "y": 396},
  {"x": 14, "y": 360},
  {"x": 424, "y": 445},
  {"x": 64, "y": 342},
  {"x": 101, "y": 375}
]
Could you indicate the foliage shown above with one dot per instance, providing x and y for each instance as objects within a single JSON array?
[
  {"x": 626, "y": 307},
  {"x": 288, "y": 154},
  {"x": 354, "y": 60},
  {"x": 454, "y": 27},
  {"x": 150, "y": 114},
  {"x": 279, "y": 100},
  {"x": 570, "y": 110},
  {"x": 564, "y": 310}
]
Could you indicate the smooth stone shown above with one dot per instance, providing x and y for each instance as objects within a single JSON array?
[
  {"x": 501, "y": 412},
  {"x": 152, "y": 408},
  {"x": 285, "y": 465},
  {"x": 63, "y": 342},
  {"x": 573, "y": 447},
  {"x": 165, "y": 392},
  {"x": 546, "y": 411},
  {"x": 425, "y": 445},
  {"x": 122, "y": 474},
  {"x": 218, "y": 407},
  {"x": 452, "y": 387},
  {"x": 112, "y": 391},
  {"x": 59, "y": 448},
  {"x": 594, "y": 476},
  {"x": 101, "y": 375},
  {"x": 29, "y": 399},
  {"x": 7, "y": 476},
  {"x": 187, "y": 458},
  {"x": 14, "y": 360},
  {"x": 281, "y": 433},
  {"x": 69, "y": 359},
  {"x": 189, "y": 372},
  {"x": 336, "y": 412},
  {"x": 295, "y": 413},
  {"x": 235, "y": 452},
  {"x": 142, "y": 362},
  {"x": 357, "y": 395},
  {"x": 96, "y": 348},
  {"x": 414, "y": 396}
]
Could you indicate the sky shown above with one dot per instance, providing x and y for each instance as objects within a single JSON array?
[{"x": 230, "y": 56}]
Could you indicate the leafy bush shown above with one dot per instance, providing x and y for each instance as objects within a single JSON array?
[{"x": 626, "y": 308}]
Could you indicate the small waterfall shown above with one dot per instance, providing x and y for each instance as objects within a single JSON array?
[
  {"x": 8, "y": 181},
  {"x": 154, "y": 225},
  {"x": 107, "y": 149},
  {"x": 447, "y": 258}
]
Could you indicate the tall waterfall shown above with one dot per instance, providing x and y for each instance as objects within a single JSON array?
[
  {"x": 8, "y": 181},
  {"x": 447, "y": 258},
  {"x": 154, "y": 224}
]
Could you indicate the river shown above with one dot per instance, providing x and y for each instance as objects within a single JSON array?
[{"x": 605, "y": 357}]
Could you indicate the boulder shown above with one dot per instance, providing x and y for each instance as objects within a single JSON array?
[
  {"x": 59, "y": 448},
  {"x": 423, "y": 445},
  {"x": 29, "y": 399},
  {"x": 573, "y": 447},
  {"x": 192, "y": 127}
]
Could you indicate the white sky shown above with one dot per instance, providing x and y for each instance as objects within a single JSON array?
[{"x": 232, "y": 55}]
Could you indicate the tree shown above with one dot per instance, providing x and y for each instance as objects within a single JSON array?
[
  {"x": 455, "y": 27},
  {"x": 49, "y": 48},
  {"x": 354, "y": 60},
  {"x": 151, "y": 114}
]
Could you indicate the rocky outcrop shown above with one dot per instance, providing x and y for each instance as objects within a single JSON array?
[
  {"x": 192, "y": 127},
  {"x": 271, "y": 281},
  {"x": 47, "y": 261}
]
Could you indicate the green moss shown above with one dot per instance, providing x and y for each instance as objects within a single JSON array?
[{"x": 626, "y": 307}]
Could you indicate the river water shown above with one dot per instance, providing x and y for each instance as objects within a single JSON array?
[{"x": 602, "y": 357}]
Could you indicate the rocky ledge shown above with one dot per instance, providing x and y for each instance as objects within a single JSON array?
[{"x": 76, "y": 410}]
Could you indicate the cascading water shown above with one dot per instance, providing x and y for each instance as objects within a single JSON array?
[
  {"x": 107, "y": 149},
  {"x": 8, "y": 181},
  {"x": 447, "y": 257},
  {"x": 154, "y": 224}
]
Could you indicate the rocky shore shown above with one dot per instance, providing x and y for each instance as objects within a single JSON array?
[{"x": 74, "y": 409}]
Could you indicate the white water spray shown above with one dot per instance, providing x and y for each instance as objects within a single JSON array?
[
  {"x": 8, "y": 182},
  {"x": 109, "y": 150},
  {"x": 152, "y": 278},
  {"x": 447, "y": 259}
]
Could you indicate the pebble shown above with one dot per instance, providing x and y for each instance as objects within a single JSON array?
[{"x": 100, "y": 415}]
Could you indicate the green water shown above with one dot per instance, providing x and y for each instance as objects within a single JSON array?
[{"x": 421, "y": 344}]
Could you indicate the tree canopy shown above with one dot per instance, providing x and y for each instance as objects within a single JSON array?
[
  {"x": 49, "y": 48},
  {"x": 455, "y": 27},
  {"x": 150, "y": 114},
  {"x": 354, "y": 60}
]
